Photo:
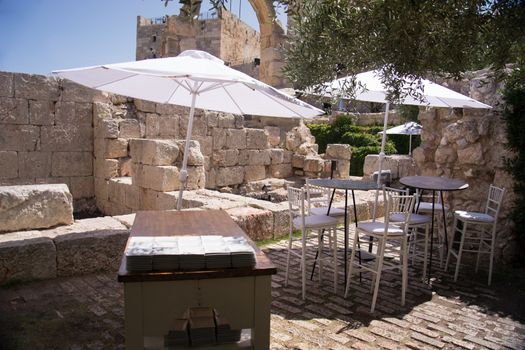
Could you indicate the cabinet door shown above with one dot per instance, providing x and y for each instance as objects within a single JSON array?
[{"x": 164, "y": 301}]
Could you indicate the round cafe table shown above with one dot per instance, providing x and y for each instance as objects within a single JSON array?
[
  {"x": 346, "y": 185},
  {"x": 434, "y": 183}
]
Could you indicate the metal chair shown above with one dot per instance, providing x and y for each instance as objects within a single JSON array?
[
  {"x": 478, "y": 231},
  {"x": 307, "y": 224},
  {"x": 383, "y": 232},
  {"x": 319, "y": 201},
  {"x": 418, "y": 228}
]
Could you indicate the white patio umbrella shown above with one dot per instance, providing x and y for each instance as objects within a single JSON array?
[
  {"x": 409, "y": 128},
  {"x": 371, "y": 89},
  {"x": 194, "y": 79}
]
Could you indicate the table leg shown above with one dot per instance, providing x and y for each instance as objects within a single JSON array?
[
  {"x": 346, "y": 233},
  {"x": 444, "y": 222},
  {"x": 261, "y": 322},
  {"x": 431, "y": 236},
  {"x": 358, "y": 243}
]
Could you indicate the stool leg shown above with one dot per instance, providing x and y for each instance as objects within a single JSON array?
[
  {"x": 404, "y": 271},
  {"x": 352, "y": 258},
  {"x": 377, "y": 278},
  {"x": 491, "y": 262},
  {"x": 425, "y": 256},
  {"x": 460, "y": 251},
  {"x": 451, "y": 242},
  {"x": 288, "y": 257}
]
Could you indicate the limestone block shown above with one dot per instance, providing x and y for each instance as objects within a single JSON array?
[
  {"x": 152, "y": 125},
  {"x": 107, "y": 129},
  {"x": 106, "y": 168},
  {"x": 189, "y": 43},
  {"x": 171, "y": 110},
  {"x": 72, "y": 164},
  {"x": 281, "y": 216},
  {"x": 101, "y": 111},
  {"x": 161, "y": 178},
  {"x": 298, "y": 161},
  {"x": 200, "y": 128},
  {"x": 219, "y": 138},
  {"x": 211, "y": 178},
  {"x": 35, "y": 87},
  {"x": 83, "y": 114},
  {"x": 287, "y": 156},
  {"x": 40, "y": 112},
  {"x": 195, "y": 156},
  {"x": 129, "y": 128},
  {"x": 235, "y": 139},
  {"x": 65, "y": 113},
  {"x": 166, "y": 200},
  {"x": 254, "y": 172},
  {"x": 227, "y": 176},
  {"x": 78, "y": 93},
  {"x": 26, "y": 256},
  {"x": 147, "y": 199},
  {"x": 132, "y": 197},
  {"x": 256, "y": 223},
  {"x": 196, "y": 178},
  {"x": 6, "y": 84},
  {"x": 116, "y": 148},
  {"x": 227, "y": 157},
  {"x": 226, "y": 121},
  {"x": 342, "y": 170},
  {"x": 124, "y": 165},
  {"x": 14, "y": 111},
  {"x": 168, "y": 127},
  {"x": 66, "y": 137},
  {"x": 313, "y": 164},
  {"x": 154, "y": 152},
  {"x": 117, "y": 189},
  {"x": 308, "y": 149},
  {"x": 206, "y": 144},
  {"x": 34, "y": 206},
  {"x": 126, "y": 220},
  {"x": 101, "y": 188},
  {"x": 239, "y": 121},
  {"x": 281, "y": 171},
  {"x": 338, "y": 151},
  {"x": 256, "y": 139},
  {"x": 274, "y": 135},
  {"x": 277, "y": 155},
  {"x": 445, "y": 155},
  {"x": 89, "y": 245},
  {"x": 255, "y": 157},
  {"x": 34, "y": 164},
  {"x": 145, "y": 106},
  {"x": 82, "y": 187},
  {"x": 472, "y": 154},
  {"x": 9, "y": 165},
  {"x": 19, "y": 137}
]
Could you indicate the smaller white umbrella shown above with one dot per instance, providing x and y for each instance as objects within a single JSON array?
[
  {"x": 409, "y": 128},
  {"x": 194, "y": 79}
]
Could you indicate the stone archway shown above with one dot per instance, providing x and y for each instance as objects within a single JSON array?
[{"x": 272, "y": 35}]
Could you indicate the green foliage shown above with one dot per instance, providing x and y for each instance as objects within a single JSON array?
[
  {"x": 514, "y": 115},
  {"x": 404, "y": 39},
  {"x": 408, "y": 113},
  {"x": 363, "y": 139}
]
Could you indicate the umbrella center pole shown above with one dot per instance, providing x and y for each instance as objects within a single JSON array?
[
  {"x": 183, "y": 175},
  {"x": 381, "y": 158}
]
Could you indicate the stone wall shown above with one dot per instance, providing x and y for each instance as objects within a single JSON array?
[
  {"x": 228, "y": 38},
  {"x": 470, "y": 144},
  {"x": 46, "y": 134}
]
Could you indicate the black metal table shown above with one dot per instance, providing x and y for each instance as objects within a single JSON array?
[
  {"x": 435, "y": 183},
  {"x": 346, "y": 185}
]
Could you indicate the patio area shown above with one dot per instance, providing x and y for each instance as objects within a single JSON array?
[{"x": 87, "y": 312}]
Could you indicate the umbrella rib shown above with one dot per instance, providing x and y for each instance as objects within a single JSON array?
[
  {"x": 233, "y": 100},
  {"x": 173, "y": 92},
  {"x": 288, "y": 108},
  {"x": 114, "y": 81}
]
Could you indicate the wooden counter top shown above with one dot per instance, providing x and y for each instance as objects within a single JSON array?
[{"x": 191, "y": 223}]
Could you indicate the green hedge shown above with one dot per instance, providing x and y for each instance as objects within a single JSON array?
[{"x": 363, "y": 139}]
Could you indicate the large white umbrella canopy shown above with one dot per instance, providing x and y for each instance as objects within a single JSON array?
[
  {"x": 409, "y": 128},
  {"x": 194, "y": 79},
  {"x": 370, "y": 88}
]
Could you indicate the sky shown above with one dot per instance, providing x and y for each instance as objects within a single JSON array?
[{"x": 40, "y": 36}]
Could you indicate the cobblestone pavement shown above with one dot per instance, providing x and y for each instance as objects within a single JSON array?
[{"x": 88, "y": 313}]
